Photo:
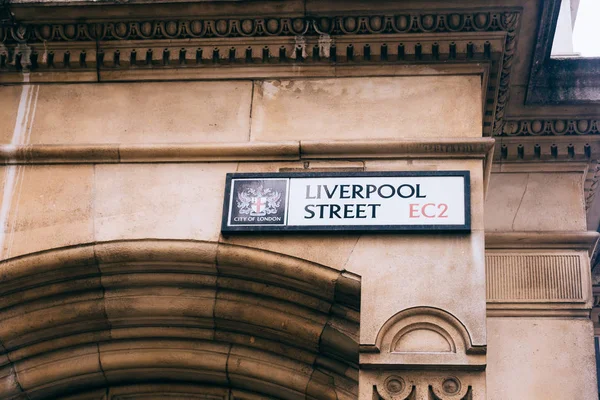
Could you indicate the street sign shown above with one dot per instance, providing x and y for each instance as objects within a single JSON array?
[{"x": 351, "y": 201}]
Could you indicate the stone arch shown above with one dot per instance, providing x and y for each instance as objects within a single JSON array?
[
  {"x": 421, "y": 336},
  {"x": 202, "y": 317},
  {"x": 442, "y": 322}
]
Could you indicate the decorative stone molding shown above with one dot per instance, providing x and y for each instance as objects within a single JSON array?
[
  {"x": 477, "y": 148},
  {"x": 504, "y": 85},
  {"x": 539, "y": 274},
  {"x": 244, "y": 57},
  {"x": 519, "y": 278},
  {"x": 142, "y": 311},
  {"x": 550, "y": 127},
  {"x": 406, "y": 22},
  {"x": 527, "y": 153},
  {"x": 560, "y": 240},
  {"x": 395, "y": 387},
  {"x": 199, "y": 48},
  {"x": 441, "y": 148},
  {"x": 423, "y": 336},
  {"x": 547, "y": 148},
  {"x": 422, "y": 384}
]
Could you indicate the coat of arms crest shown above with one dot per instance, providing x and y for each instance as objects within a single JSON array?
[{"x": 258, "y": 201}]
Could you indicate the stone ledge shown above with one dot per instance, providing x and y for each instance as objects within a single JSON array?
[
  {"x": 509, "y": 311},
  {"x": 542, "y": 240},
  {"x": 480, "y": 148}
]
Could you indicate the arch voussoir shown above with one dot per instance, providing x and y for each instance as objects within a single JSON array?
[{"x": 116, "y": 314}]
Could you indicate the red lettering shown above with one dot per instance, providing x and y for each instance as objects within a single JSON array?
[
  {"x": 418, "y": 210},
  {"x": 424, "y": 209},
  {"x": 444, "y": 208},
  {"x": 413, "y": 211}
]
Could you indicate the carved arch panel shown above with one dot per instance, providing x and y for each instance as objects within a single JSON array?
[
  {"x": 423, "y": 353},
  {"x": 423, "y": 336}
]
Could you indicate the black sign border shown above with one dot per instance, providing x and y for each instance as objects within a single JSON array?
[{"x": 466, "y": 227}]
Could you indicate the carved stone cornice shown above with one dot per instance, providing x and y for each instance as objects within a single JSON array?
[
  {"x": 550, "y": 127},
  {"x": 561, "y": 140},
  {"x": 265, "y": 47},
  {"x": 578, "y": 148},
  {"x": 560, "y": 240},
  {"x": 504, "y": 85},
  {"x": 408, "y": 22},
  {"x": 547, "y": 153}
]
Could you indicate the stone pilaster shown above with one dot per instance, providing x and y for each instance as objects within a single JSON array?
[
  {"x": 539, "y": 293},
  {"x": 423, "y": 317}
]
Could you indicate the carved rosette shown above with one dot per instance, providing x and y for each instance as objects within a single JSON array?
[
  {"x": 438, "y": 359},
  {"x": 425, "y": 385}
]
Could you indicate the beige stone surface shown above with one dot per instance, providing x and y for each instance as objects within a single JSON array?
[
  {"x": 9, "y": 104},
  {"x": 162, "y": 112},
  {"x": 542, "y": 201},
  {"x": 503, "y": 200},
  {"x": 399, "y": 267},
  {"x": 48, "y": 206},
  {"x": 445, "y": 271},
  {"x": 330, "y": 250},
  {"x": 175, "y": 201},
  {"x": 3, "y": 175},
  {"x": 541, "y": 358},
  {"x": 357, "y": 108},
  {"x": 302, "y": 166}
]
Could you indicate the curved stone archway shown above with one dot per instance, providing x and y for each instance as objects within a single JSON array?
[
  {"x": 134, "y": 319},
  {"x": 170, "y": 391}
]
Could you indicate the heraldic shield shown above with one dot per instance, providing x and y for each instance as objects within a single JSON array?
[{"x": 253, "y": 200}]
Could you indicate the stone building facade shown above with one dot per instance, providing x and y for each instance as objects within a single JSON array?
[{"x": 119, "y": 121}]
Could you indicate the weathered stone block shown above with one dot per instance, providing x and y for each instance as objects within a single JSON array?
[{"x": 359, "y": 108}]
